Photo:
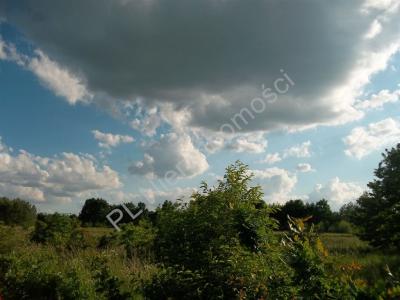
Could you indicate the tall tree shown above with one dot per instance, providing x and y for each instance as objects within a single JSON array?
[
  {"x": 94, "y": 212},
  {"x": 378, "y": 211}
]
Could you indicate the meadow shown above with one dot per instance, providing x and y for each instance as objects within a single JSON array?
[{"x": 100, "y": 270}]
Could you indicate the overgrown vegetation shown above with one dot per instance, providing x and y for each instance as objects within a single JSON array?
[{"x": 225, "y": 243}]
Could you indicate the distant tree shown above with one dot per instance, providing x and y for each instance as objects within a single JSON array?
[
  {"x": 134, "y": 209},
  {"x": 294, "y": 208},
  {"x": 17, "y": 212},
  {"x": 378, "y": 210},
  {"x": 58, "y": 230},
  {"x": 94, "y": 212},
  {"x": 320, "y": 211},
  {"x": 348, "y": 211}
]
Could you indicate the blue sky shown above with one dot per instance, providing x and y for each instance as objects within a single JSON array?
[{"x": 133, "y": 110}]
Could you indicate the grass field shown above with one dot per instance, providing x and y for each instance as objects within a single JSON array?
[
  {"x": 369, "y": 264},
  {"x": 346, "y": 251}
]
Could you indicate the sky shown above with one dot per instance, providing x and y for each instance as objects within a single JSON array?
[{"x": 141, "y": 100}]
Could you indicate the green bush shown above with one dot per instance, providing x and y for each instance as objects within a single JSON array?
[
  {"x": 342, "y": 227},
  {"x": 17, "y": 212},
  {"x": 58, "y": 230},
  {"x": 138, "y": 239},
  {"x": 39, "y": 275}
]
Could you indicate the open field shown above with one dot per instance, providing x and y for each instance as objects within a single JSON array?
[{"x": 343, "y": 248}]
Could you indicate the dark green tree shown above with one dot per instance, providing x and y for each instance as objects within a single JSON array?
[
  {"x": 17, "y": 212},
  {"x": 59, "y": 230},
  {"x": 320, "y": 211},
  {"x": 378, "y": 210},
  {"x": 348, "y": 211},
  {"x": 94, "y": 212},
  {"x": 293, "y": 208}
]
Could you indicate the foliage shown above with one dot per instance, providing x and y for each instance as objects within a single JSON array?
[
  {"x": 320, "y": 213},
  {"x": 138, "y": 239},
  {"x": 94, "y": 212},
  {"x": 223, "y": 244},
  {"x": 228, "y": 250},
  {"x": 307, "y": 256},
  {"x": 342, "y": 227},
  {"x": 106, "y": 283},
  {"x": 17, "y": 212},
  {"x": 58, "y": 230},
  {"x": 378, "y": 210},
  {"x": 215, "y": 246},
  {"x": 38, "y": 276}
]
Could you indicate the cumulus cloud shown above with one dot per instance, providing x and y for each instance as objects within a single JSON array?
[
  {"x": 173, "y": 156},
  {"x": 250, "y": 143},
  {"x": 271, "y": 158},
  {"x": 58, "y": 79},
  {"x": 109, "y": 140},
  {"x": 148, "y": 123},
  {"x": 214, "y": 76},
  {"x": 53, "y": 76},
  {"x": 304, "y": 168},
  {"x": 363, "y": 140},
  {"x": 379, "y": 99},
  {"x": 63, "y": 177},
  {"x": 336, "y": 192},
  {"x": 301, "y": 150},
  {"x": 277, "y": 183}
]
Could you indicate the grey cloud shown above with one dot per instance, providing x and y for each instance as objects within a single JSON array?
[{"x": 186, "y": 51}]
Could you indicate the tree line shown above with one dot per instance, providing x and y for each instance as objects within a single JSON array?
[{"x": 375, "y": 216}]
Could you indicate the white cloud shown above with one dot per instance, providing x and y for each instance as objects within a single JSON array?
[
  {"x": 363, "y": 140},
  {"x": 57, "y": 79},
  {"x": 272, "y": 158},
  {"x": 250, "y": 143},
  {"x": 22, "y": 192},
  {"x": 301, "y": 150},
  {"x": 389, "y": 5},
  {"x": 148, "y": 124},
  {"x": 374, "y": 30},
  {"x": 336, "y": 192},
  {"x": 51, "y": 74},
  {"x": 173, "y": 156},
  {"x": 378, "y": 100},
  {"x": 277, "y": 183},
  {"x": 304, "y": 168},
  {"x": 62, "y": 177},
  {"x": 3, "y": 54},
  {"x": 108, "y": 140}
]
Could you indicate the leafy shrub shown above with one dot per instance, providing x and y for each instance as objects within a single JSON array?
[
  {"x": 17, "y": 212},
  {"x": 138, "y": 239},
  {"x": 342, "y": 227},
  {"x": 12, "y": 238},
  {"x": 39, "y": 276},
  {"x": 307, "y": 257},
  {"x": 221, "y": 245},
  {"x": 58, "y": 230},
  {"x": 108, "y": 285}
]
